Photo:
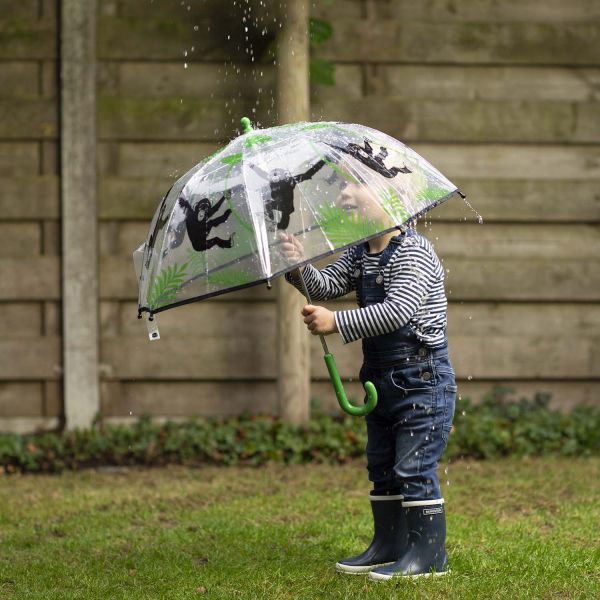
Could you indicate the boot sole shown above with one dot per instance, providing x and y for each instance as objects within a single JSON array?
[
  {"x": 362, "y": 570},
  {"x": 385, "y": 577}
]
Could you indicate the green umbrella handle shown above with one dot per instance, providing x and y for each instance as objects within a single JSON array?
[{"x": 356, "y": 411}]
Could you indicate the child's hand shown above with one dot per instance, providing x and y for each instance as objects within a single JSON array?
[
  {"x": 291, "y": 248},
  {"x": 319, "y": 320}
]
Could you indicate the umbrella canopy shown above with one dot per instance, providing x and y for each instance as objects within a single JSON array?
[{"x": 218, "y": 228}]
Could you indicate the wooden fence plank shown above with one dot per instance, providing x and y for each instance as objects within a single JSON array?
[
  {"x": 28, "y": 424},
  {"x": 462, "y": 240},
  {"x": 490, "y": 83},
  {"x": 31, "y": 118},
  {"x": 219, "y": 399},
  {"x": 170, "y": 79},
  {"x": 403, "y": 41},
  {"x": 21, "y": 320},
  {"x": 25, "y": 198},
  {"x": 18, "y": 159},
  {"x": 19, "y": 79},
  {"x": 210, "y": 357},
  {"x": 469, "y": 120},
  {"x": 534, "y": 200},
  {"x": 409, "y": 120},
  {"x": 488, "y": 341},
  {"x": 30, "y": 278},
  {"x": 524, "y": 200},
  {"x": 27, "y": 359},
  {"x": 162, "y": 159},
  {"x": 27, "y": 39},
  {"x": 481, "y": 161},
  {"x": 564, "y": 395},
  {"x": 166, "y": 119},
  {"x": 20, "y": 239},
  {"x": 147, "y": 38},
  {"x": 25, "y": 9},
  {"x": 192, "y": 398},
  {"x": 468, "y": 318},
  {"x": 20, "y": 399},
  {"x": 513, "y": 161},
  {"x": 534, "y": 265},
  {"x": 552, "y": 11}
]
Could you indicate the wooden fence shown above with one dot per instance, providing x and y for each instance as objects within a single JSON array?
[{"x": 501, "y": 97}]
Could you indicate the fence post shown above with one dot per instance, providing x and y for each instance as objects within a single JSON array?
[
  {"x": 78, "y": 218},
  {"x": 293, "y": 105}
]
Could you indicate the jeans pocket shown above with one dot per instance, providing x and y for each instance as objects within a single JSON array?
[
  {"x": 450, "y": 391},
  {"x": 416, "y": 377}
]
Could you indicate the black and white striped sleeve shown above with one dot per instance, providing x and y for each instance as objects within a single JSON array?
[
  {"x": 411, "y": 274},
  {"x": 330, "y": 282}
]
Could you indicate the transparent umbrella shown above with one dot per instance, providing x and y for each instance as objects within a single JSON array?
[{"x": 218, "y": 228}]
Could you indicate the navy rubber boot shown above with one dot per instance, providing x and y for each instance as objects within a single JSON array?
[
  {"x": 389, "y": 538},
  {"x": 425, "y": 554}
]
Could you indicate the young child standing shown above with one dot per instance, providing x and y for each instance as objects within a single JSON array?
[{"x": 401, "y": 319}]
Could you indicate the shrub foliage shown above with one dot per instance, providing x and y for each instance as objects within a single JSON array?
[{"x": 494, "y": 428}]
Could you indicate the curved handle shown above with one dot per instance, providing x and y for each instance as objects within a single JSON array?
[{"x": 356, "y": 411}]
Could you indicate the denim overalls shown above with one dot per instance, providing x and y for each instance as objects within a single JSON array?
[{"x": 408, "y": 430}]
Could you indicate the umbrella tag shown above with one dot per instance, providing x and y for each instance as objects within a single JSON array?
[{"x": 152, "y": 326}]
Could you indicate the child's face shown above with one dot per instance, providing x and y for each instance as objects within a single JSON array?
[{"x": 359, "y": 201}]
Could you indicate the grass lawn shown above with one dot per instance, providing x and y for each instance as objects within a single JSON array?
[{"x": 516, "y": 529}]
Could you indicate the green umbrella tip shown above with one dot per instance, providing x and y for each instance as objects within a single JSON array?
[{"x": 246, "y": 124}]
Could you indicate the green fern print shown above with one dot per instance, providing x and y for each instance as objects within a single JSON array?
[
  {"x": 196, "y": 261},
  {"x": 165, "y": 287},
  {"x": 230, "y": 278},
  {"x": 342, "y": 228},
  {"x": 432, "y": 194},
  {"x": 393, "y": 205}
]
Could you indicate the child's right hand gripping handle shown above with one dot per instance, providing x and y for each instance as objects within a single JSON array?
[{"x": 356, "y": 411}]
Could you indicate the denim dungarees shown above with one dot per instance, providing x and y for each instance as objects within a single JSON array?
[{"x": 408, "y": 430}]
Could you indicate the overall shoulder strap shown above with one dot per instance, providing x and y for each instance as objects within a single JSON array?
[
  {"x": 392, "y": 248},
  {"x": 357, "y": 256}
]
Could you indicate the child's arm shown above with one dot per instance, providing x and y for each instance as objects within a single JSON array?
[
  {"x": 331, "y": 282},
  {"x": 413, "y": 272}
]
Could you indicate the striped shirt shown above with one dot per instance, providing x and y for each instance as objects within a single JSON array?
[{"x": 414, "y": 287}]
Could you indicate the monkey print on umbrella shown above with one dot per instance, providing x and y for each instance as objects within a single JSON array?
[
  {"x": 198, "y": 224},
  {"x": 282, "y": 184},
  {"x": 366, "y": 157}
]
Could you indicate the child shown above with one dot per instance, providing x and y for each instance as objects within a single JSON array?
[{"x": 401, "y": 319}]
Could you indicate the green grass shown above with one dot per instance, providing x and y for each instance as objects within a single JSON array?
[{"x": 516, "y": 529}]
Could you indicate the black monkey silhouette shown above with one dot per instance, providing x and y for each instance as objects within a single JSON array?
[
  {"x": 365, "y": 156},
  {"x": 282, "y": 184},
  {"x": 198, "y": 225}
]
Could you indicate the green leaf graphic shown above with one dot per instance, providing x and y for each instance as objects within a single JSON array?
[
  {"x": 432, "y": 194},
  {"x": 232, "y": 159},
  {"x": 165, "y": 287},
  {"x": 342, "y": 228},
  {"x": 197, "y": 262},
  {"x": 256, "y": 139},
  {"x": 393, "y": 205},
  {"x": 230, "y": 278}
]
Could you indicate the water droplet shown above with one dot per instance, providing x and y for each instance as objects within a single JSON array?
[
  {"x": 185, "y": 65},
  {"x": 470, "y": 377}
]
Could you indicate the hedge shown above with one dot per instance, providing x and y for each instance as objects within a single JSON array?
[{"x": 496, "y": 427}]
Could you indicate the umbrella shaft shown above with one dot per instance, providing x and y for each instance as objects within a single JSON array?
[{"x": 306, "y": 293}]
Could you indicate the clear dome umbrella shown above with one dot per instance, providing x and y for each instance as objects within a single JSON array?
[{"x": 218, "y": 229}]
